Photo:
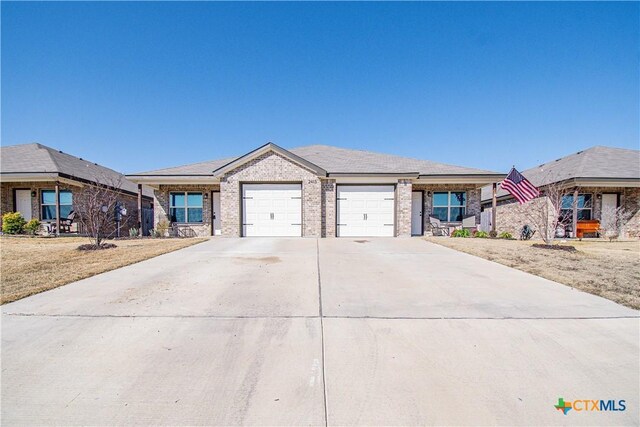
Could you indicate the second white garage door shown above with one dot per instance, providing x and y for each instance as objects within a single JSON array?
[
  {"x": 365, "y": 210},
  {"x": 271, "y": 210}
]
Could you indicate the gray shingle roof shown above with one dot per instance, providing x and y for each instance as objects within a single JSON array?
[
  {"x": 37, "y": 158},
  {"x": 340, "y": 160},
  {"x": 201, "y": 168},
  {"x": 596, "y": 162}
]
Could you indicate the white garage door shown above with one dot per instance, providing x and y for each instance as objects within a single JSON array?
[
  {"x": 365, "y": 210},
  {"x": 271, "y": 210}
]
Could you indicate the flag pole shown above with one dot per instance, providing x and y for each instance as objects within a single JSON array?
[{"x": 494, "y": 209}]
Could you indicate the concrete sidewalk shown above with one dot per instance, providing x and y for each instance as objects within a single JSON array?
[{"x": 316, "y": 332}]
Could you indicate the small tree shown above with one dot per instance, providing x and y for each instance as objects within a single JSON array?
[
  {"x": 612, "y": 222},
  {"x": 545, "y": 212},
  {"x": 95, "y": 206}
]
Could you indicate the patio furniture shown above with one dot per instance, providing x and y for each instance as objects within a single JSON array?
[
  {"x": 65, "y": 223},
  {"x": 437, "y": 229},
  {"x": 587, "y": 226},
  {"x": 182, "y": 230}
]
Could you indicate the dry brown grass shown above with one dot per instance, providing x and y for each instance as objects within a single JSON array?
[
  {"x": 33, "y": 265},
  {"x": 608, "y": 269}
]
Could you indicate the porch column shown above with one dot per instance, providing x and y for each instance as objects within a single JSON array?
[
  {"x": 575, "y": 213},
  {"x": 140, "y": 209},
  {"x": 494, "y": 213},
  {"x": 57, "y": 209}
]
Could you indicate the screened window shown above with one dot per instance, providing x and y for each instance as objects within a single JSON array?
[
  {"x": 584, "y": 207},
  {"x": 449, "y": 206},
  {"x": 185, "y": 207},
  {"x": 48, "y": 203}
]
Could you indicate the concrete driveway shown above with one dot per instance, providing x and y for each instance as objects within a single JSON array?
[{"x": 315, "y": 332}]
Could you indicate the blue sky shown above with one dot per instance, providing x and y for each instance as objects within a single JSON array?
[{"x": 139, "y": 86}]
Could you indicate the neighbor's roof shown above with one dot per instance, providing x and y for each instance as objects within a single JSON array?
[
  {"x": 37, "y": 159},
  {"x": 337, "y": 160},
  {"x": 595, "y": 163}
]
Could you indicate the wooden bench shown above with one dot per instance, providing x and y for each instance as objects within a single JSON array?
[{"x": 587, "y": 226}]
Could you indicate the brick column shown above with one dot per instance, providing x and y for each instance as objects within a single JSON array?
[
  {"x": 230, "y": 207},
  {"x": 329, "y": 208},
  {"x": 403, "y": 208}
]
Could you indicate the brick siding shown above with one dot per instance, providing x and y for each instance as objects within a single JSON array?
[
  {"x": 7, "y": 201},
  {"x": 473, "y": 199},
  {"x": 161, "y": 207},
  {"x": 512, "y": 216},
  {"x": 269, "y": 168},
  {"x": 403, "y": 208},
  {"x": 328, "y": 212}
]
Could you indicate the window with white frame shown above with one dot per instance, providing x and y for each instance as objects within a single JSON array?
[
  {"x": 185, "y": 207},
  {"x": 585, "y": 207},
  {"x": 48, "y": 204},
  {"x": 449, "y": 206}
]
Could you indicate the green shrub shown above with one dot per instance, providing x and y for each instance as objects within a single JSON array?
[
  {"x": 133, "y": 232},
  {"x": 13, "y": 223},
  {"x": 461, "y": 233},
  {"x": 505, "y": 235},
  {"x": 481, "y": 235},
  {"x": 32, "y": 227}
]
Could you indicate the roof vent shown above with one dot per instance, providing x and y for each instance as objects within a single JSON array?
[
  {"x": 96, "y": 164},
  {"x": 60, "y": 151},
  {"x": 579, "y": 152}
]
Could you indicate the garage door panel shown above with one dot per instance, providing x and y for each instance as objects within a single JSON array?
[
  {"x": 365, "y": 211},
  {"x": 272, "y": 210}
]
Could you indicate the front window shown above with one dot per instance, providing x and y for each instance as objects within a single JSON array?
[
  {"x": 185, "y": 207},
  {"x": 449, "y": 206},
  {"x": 584, "y": 207},
  {"x": 48, "y": 203}
]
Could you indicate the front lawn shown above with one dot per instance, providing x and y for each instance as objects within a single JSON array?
[
  {"x": 32, "y": 265},
  {"x": 608, "y": 269}
]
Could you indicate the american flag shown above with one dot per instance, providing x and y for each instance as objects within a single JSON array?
[{"x": 519, "y": 187}]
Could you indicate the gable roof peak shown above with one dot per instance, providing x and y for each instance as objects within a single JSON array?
[{"x": 269, "y": 146}]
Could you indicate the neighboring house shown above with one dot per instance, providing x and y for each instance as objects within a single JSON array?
[
  {"x": 599, "y": 176},
  {"x": 314, "y": 191},
  {"x": 32, "y": 174}
]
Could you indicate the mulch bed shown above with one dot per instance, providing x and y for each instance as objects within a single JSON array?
[
  {"x": 555, "y": 247},
  {"x": 92, "y": 247}
]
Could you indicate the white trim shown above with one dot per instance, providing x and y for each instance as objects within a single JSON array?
[
  {"x": 28, "y": 177},
  {"x": 477, "y": 181},
  {"x": 154, "y": 181},
  {"x": 367, "y": 180}
]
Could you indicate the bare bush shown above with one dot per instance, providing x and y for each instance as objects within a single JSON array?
[
  {"x": 612, "y": 222},
  {"x": 545, "y": 212},
  {"x": 96, "y": 205}
]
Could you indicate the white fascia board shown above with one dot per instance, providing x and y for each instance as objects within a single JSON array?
[
  {"x": 39, "y": 177},
  {"x": 367, "y": 179},
  {"x": 154, "y": 180},
  {"x": 586, "y": 182},
  {"x": 479, "y": 181},
  {"x": 28, "y": 177}
]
